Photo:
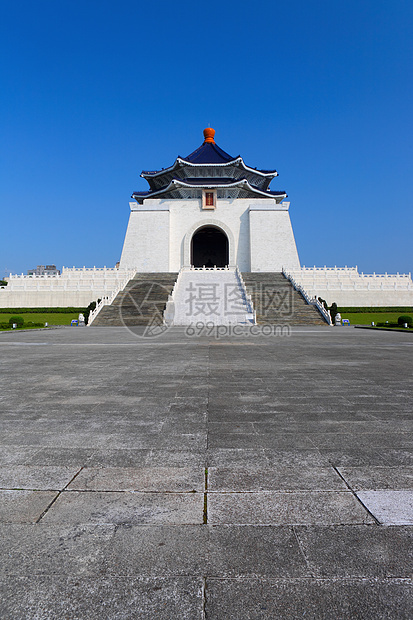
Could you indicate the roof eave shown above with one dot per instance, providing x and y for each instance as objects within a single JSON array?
[
  {"x": 223, "y": 164},
  {"x": 150, "y": 175},
  {"x": 241, "y": 183},
  {"x": 233, "y": 162},
  {"x": 270, "y": 173}
]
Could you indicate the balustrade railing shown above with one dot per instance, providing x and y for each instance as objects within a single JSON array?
[
  {"x": 204, "y": 268},
  {"x": 310, "y": 300},
  {"x": 252, "y": 315},
  {"x": 107, "y": 299},
  {"x": 348, "y": 278},
  {"x": 351, "y": 272}
]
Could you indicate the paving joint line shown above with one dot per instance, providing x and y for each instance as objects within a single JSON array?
[
  {"x": 377, "y": 522},
  {"x": 203, "y": 589},
  {"x": 205, "y": 513},
  {"x": 282, "y": 491},
  {"x": 131, "y": 491},
  {"x": 300, "y": 546},
  {"x": 208, "y": 395},
  {"x": 335, "y": 579},
  {"x": 57, "y": 496}
]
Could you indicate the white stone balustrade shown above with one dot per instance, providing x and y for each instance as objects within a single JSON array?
[
  {"x": 107, "y": 300},
  {"x": 347, "y": 287},
  {"x": 310, "y": 300},
  {"x": 73, "y": 287}
]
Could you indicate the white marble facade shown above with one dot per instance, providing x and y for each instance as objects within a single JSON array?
[
  {"x": 160, "y": 231},
  {"x": 209, "y": 190}
]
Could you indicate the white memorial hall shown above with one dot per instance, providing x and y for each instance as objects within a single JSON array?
[{"x": 209, "y": 219}]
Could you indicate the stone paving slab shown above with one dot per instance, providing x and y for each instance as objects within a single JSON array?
[
  {"x": 16, "y": 455},
  {"x": 313, "y": 599},
  {"x": 355, "y": 457},
  {"x": 134, "y": 508},
  {"x": 43, "y": 549},
  {"x": 387, "y": 440},
  {"x": 154, "y": 550},
  {"x": 372, "y": 478},
  {"x": 288, "y": 441},
  {"x": 286, "y": 508},
  {"x": 303, "y": 458},
  {"x": 293, "y": 478},
  {"x": 36, "y": 477},
  {"x": 24, "y": 506},
  {"x": 389, "y": 507},
  {"x": 251, "y": 551},
  {"x": 148, "y": 458},
  {"x": 289, "y": 429},
  {"x": 94, "y": 598},
  {"x": 236, "y": 457},
  {"x": 394, "y": 458},
  {"x": 171, "y": 479},
  {"x": 364, "y": 551},
  {"x": 60, "y": 457}
]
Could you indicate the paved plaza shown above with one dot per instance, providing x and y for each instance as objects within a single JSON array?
[{"x": 199, "y": 477}]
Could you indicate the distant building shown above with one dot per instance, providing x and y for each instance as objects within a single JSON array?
[{"x": 44, "y": 270}]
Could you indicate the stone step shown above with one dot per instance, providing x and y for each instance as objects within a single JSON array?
[
  {"x": 213, "y": 296},
  {"x": 142, "y": 301},
  {"x": 145, "y": 296},
  {"x": 277, "y": 302}
]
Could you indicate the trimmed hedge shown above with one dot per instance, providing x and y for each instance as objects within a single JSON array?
[
  {"x": 40, "y": 310},
  {"x": 29, "y": 325},
  {"x": 376, "y": 309}
]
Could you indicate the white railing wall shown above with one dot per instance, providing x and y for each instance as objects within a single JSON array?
[
  {"x": 252, "y": 315},
  {"x": 340, "y": 278},
  {"x": 169, "y": 312},
  {"x": 73, "y": 287},
  {"x": 310, "y": 300},
  {"x": 347, "y": 287},
  {"x": 107, "y": 300}
]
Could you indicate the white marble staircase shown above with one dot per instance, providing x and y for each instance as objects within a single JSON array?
[{"x": 212, "y": 296}]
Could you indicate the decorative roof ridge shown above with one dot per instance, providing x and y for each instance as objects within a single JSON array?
[
  {"x": 209, "y": 154},
  {"x": 181, "y": 160},
  {"x": 236, "y": 183},
  {"x": 206, "y": 164}
]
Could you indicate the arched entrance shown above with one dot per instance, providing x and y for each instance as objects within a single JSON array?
[{"x": 209, "y": 247}]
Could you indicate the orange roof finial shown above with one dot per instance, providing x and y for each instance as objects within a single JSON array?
[{"x": 209, "y": 134}]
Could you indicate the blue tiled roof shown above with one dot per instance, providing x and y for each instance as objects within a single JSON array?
[
  {"x": 206, "y": 182},
  {"x": 209, "y": 153}
]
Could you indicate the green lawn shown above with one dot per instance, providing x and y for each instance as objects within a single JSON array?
[
  {"x": 366, "y": 318},
  {"x": 52, "y": 318}
]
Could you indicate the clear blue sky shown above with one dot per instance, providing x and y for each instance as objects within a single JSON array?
[{"x": 93, "y": 92}]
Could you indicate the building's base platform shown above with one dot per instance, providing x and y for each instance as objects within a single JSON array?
[{"x": 144, "y": 299}]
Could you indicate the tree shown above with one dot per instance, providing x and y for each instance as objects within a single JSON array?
[{"x": 333, "y": 312}]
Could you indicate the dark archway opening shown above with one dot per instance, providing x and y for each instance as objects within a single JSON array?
[{"x": 210, "y": 248}]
